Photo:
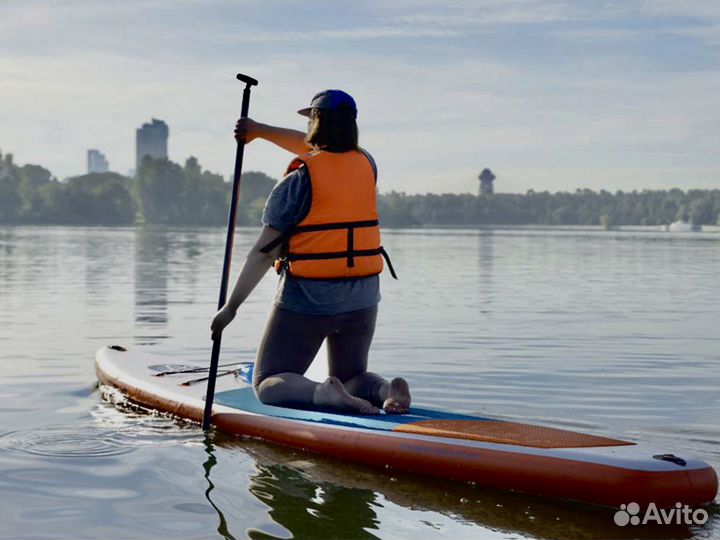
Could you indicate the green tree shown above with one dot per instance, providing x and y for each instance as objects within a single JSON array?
[
  {"x": 93, "y": 199},
  {"x": 564, "y": 215},
  {"x": 702, "y": 211},
  {"x": 32, "y": 179},
  {"x": 161, "y": 190},
  {"x": 10, "y": 200},
  {"x": 205, "y": 197},
  {"x": 254, "y": 190}
]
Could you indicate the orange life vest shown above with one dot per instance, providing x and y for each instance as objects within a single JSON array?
[{"x": 339, "y": 238}]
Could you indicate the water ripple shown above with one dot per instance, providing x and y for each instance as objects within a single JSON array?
[
  {"x": 115, "y": 427},
  {"x": 65, "y": 441}
]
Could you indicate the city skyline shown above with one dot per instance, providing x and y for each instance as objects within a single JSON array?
[
  {"x": 97, "y": 162},
  {"x": 551, "y": 95},
  {"x": 151, "y": 139}
]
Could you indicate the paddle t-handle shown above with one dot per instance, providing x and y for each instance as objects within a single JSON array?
[
  {"x": 232, "y": 221},
  {"x": 247, "y": 80}
]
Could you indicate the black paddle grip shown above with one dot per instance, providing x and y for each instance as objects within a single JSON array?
[{"x": 247, "y": 80}]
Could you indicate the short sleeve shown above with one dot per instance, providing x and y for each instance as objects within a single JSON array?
[
  {"x": 289, "y": 201},
  {"x": 372, "y": 162}
]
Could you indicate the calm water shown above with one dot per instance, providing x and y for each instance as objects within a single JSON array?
[{"x": 607, "y": 332}]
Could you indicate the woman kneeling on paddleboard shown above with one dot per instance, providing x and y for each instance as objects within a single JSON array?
[{"x": 322, "y": 235}]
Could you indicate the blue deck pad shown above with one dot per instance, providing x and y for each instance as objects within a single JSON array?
[{"x": 244, "y": 399}]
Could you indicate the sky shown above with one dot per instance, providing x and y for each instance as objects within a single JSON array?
[{"x": 551, "y": 95}]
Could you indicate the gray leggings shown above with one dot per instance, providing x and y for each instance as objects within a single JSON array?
[{"x": 290, "y": 343}]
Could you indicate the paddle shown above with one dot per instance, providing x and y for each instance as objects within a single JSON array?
[{"x": 232, "y": 219}]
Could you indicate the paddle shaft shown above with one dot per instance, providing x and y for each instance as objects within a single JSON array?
[{"x": 232, "y": 220}]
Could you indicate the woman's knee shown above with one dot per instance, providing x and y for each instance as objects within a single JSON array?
[
  {"x": 262, "y": 392},
  {"x": 285, "y": 390}
]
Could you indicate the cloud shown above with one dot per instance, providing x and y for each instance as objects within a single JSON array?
[
  {"x": 484, "y": 12},
  {"x": 350, "y": 34},
  {"x": 542, "y": 89}
]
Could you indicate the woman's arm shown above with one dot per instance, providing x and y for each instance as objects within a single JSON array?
[
  {"x": 255, "y": 267},
  {"x": 291, "y": 140}
]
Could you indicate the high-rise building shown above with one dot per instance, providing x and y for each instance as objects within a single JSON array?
[
  {"x": 486, "y": 182},
  {"x": 96, "y": 162},
  {"x": 151, "y": 140}
]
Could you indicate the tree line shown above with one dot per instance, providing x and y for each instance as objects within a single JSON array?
[
  {"x": 168, "y": 193},
  {"x": 582, "y": 207},
  {"x": 163, "y": 193}
]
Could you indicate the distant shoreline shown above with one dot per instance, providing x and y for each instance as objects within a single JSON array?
[
  {"x": 711, "y": 229},
  {"x": 169, "y": 193}
]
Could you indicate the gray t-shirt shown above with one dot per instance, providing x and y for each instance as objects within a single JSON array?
[{"x": 287, "y": 205}]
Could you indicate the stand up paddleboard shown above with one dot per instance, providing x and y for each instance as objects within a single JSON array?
[{"x": 489, "y": 452}]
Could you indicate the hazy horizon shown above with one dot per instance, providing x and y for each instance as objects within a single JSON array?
[{"x": 550, "y": 95}]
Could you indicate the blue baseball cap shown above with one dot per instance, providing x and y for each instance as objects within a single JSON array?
[{"x": 334, "y": 100}]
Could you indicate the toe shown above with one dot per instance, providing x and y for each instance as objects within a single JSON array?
[
  {"x": 393, "y": 407},
  {"x": 369, "y": 408}
]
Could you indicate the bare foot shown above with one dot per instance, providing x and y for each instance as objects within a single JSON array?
[
  {"x": 331, "y": 394},
  {"x": 398, "y": 398}
]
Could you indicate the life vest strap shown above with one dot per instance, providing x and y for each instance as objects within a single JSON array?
[
  {"x": 343, "y": 255},
  {"x": 332, "y": 255},
  {"x": 297, "y": 229},
  {"x": 267, "y": 248},
  {"x": 387, "y": 260},
  {"x": 333, "y": 226},
  {"x": 351, "y": 247}
]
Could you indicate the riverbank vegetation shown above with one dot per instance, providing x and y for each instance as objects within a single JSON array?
[{"x": 168, "y": 193}]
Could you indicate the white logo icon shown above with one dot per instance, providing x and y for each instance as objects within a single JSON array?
[
  {"x": 628, "y": 513},
  {"x": 679, "y": 515}
]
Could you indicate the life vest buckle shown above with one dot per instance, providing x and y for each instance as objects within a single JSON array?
[{"x": 281, "y": 263}]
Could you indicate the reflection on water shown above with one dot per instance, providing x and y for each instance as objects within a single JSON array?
[
  {"x": 614, "y": 333},
  {"x": 485, "y": 271},
  {"x": 312, "y": 509},
  {"x": 207, "y": 467},
  {"x": 151, "y": 279},
  {"x": 312, "y": 496},
  {"x": 96, "y": 248}
]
